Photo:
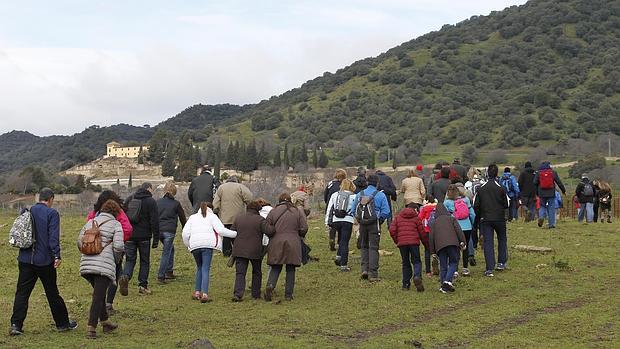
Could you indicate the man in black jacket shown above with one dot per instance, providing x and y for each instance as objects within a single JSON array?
[
  {"x": 585, "y": 195},
  {"x": 360, "y": 182},
  {"x": 202, "y": 188},
  {"x": 143, "y": 214},
  {"x": 386, "y": 185},
  {"x": 439, "y": 187},
  {"x": 528, "y": 191},
  {"x": 490, "y": 205}
]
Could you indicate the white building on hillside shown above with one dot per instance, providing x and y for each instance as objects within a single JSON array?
[{"x": 115, "y": 149}]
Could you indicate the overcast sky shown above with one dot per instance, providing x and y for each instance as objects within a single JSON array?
[{"x": 66, "y": 65}]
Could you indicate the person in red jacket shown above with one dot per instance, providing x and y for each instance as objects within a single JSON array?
[
  {"x": 407, "y": 232},
  {"x": 425, "y": 215}
]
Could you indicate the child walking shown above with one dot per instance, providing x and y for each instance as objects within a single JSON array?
[
  {"x": 445, "y": 239},
  {"x": 425, "y": 216},
  {"x": 604, "y": 198},
  {"x": 407, "y": 232}
]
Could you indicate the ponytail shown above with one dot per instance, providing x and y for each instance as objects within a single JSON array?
[{"x": 204, "y": 206}]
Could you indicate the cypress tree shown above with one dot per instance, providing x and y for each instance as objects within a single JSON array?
[
  {"x": 277, "y": 160},
  {"x": 315, "y": 157},
  {"x": 323, "y": 159},
  {"x": 286, "y": 161},
  {"x": 371, "y": 160},
  {"x": 217, "y": 161},
  {"x": 304, "y": 154}
]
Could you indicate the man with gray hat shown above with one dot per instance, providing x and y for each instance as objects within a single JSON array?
[
  {"x": 202, "y": 188},
  {"x": 230, "y": 201},
  {"x": 585, "y": 194}
]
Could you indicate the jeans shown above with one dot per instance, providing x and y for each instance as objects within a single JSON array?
[
  {"x": 131, "y": 252},
  {"x": 274, "y": 274},
  {"x": 466, "y": 251},
  {"x": 370, "y": 236},
  {"x": 410, "y": 254},
  {"x": 98, "y": 310},
  {"x": 530, "y": 208},
  {"x": 547, "y": 208},
  {"x": 241, "y": 266},
  {"x": 113, "y": 287},
  {"x": 344, "y": 230},
  {"x": 167, "y": 254},
  {"x": 587, "y": 209},
  {"x": 28, "y": 276},
  {"x": 513, "y": 209},
  {"x": 448, "y": 263},
  {"x": 203, "y": 257},
  {"x": 487, "y": 228}
]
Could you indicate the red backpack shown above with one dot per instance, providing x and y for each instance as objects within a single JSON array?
[{"x": 546, "y": 180}]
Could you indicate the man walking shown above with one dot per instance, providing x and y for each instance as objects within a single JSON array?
[
  {"x": 585, "y": 195},
  {"x": 40, "y": 261},
  {"x": 511, "y": 187},
  {"x": 230, "y": 201},
  {"x": 545, "y": 181},
  {"x": 202, "y": 188},
  {"x": 528, "y": 191}
]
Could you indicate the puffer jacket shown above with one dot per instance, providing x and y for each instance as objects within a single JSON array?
[
  {"x": 446, "y": 231},
  {"x": 205, "y": 232},
  {"x": 406, "y": 229},
  {"x": 103, "y": 264},
  {"x": 122, "y": 218}
]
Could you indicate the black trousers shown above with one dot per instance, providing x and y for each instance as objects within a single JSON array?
[
  {"x": 28, "y": 276},
  {"x": 241, "y": 265},
  {"x": 98, "y": 310},
  {"x": 272, "y": 280},
  {"x": 227, "y": 243}
]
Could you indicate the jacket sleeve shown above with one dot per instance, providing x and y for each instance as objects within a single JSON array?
[
  {"x": 154, "y": 219},
  {"x": 118, "y": 242},
  {"x": 53, "y": 226},
  {"x": 303, "y": 223},
  {"x": 515, "y": 184},
  {"x": 384, "y": 208},
  {"x": 520, "y": 180},
  {"x": 504, "y": 198},
  {"x": 421, "y": 232},
  {"x": 391, "y": 189},
  {"x": 431, "y": 189},
  {"x": 422, "y": 189},
  {"x": 246, "y": 194},
  {"x": 217, "y": 199},
  {"x": 270, "y": 228},
  {"x": 187, "y": 231},
  {"x": 181, "y": 214},
  {"x": 81, "y": 234},
  {"x": 558, "y": 181},
  {"x": 326, "y": 193},
  {"x": 459, "y": 231},
  {"x": 394, "y": 230},
  {"x": 477, "y": 204},
  {"x": 190, "y": 192},
  {"x": 536, "y": 179},
  {"x": 219, "y": 227},
  {"x": 328, "y": 212},
  {"x": 125, "y": 224}
]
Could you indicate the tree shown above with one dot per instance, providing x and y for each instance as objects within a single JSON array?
[
  {"x": 371, "y": 160},
  {"x": 394, "y": 161},
  {"x": 286, "y": 161},
  {"x": 157, "y": 146},
  {"x": 141, "y": 155},
  {"x": 303, "y": 156},
  {"x": 469, "y": 154},
  {"x": 277, "y": 160},
  {"x": 168, "y": 165},
  {"x": 130, "y": 181},
  {"x": 218, "y": 161},
  {"x": 323, "y": 159},
  {"x": 80, "y": 182},
  {"x": 315, "y": 157}
]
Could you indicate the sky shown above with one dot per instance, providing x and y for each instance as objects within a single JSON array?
[{"x": 66, "y": 65}]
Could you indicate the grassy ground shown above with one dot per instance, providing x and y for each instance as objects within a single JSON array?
[{"x": 566, "y": 299}]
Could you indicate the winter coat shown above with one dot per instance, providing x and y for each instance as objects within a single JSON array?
[
  {"x": 425, "y": 215},
  {"x": 285, "y": 227},
  {"x": 122, "y": 218},
  {"x": 301, "y": 199},
  {"x": 460, "y": 170},
  {"x": 439, "y": 188},
  {"x": 466, "y": 223},
  {"x": 170, "y": 212},
  {"x": 580, "y": 192},
  {"x": 201, "y": 190},
  {"x": 446, "y": 231},
  {"x": 148, "y": 223},
  {"x": 332, "y": 187},
  {"x": 414, "y": 190},
  {"x": 526, "y": 183},
  {"x": 103, "y": 264},
  {"x": 230, "y": 201},
  {"x": 382, "y": 206},
  {"x": 491, "y": 202},
  {"x": 330, "y": 205},
  {"x": 46, "y": 247},
  {"x": 387, "y": 186},
  {"x": 205, "y": 232},
  {"x": 406, "y": 229},
  {"x": 548, "y": 193},
  {"x": 250, "y": 227}
]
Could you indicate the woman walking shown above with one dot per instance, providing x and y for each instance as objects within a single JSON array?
[
  {"x": 202, "y": 235},
  {"x": 248, "y": 249},
  {"x": 286, "y": 225},
  {"x": 460, "y": 207},
  {"x": 339, "y": 216},
  {"x": 170, "y": 212},
  {"x": 414, "y": 190},
  {"x": 100, "y": 269}
]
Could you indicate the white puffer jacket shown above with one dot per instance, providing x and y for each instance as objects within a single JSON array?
[{"x": 205, "y": 232}]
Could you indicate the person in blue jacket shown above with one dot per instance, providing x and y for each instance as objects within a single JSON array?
[
  {"x": 370, "y": 234},
  {"x": 511, "y": 187},
  {"x": 452, "y": 195}
]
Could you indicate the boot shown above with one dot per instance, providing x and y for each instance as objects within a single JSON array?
[
  {"x": 608, "y": 219},
  {"x": 91, "y": 332},
  {"x": 108, "y": 326}
]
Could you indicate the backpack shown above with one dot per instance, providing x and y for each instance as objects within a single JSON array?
[
  {"x": 22, "y": 234},
  {"x": 475, "y": 185},
  {"x": 365, "y": 212},
  {"x": 508, "y": 185},
  {"x": 545, "y": 179},
  {"x": 588, "y": 190},
  {"x": 604, "y": 199},
  {"x": 461, "y": 211},
  {"x": 341, "y": 207},
  {"x": 91, "y": 240},
  {"x": 431, "y": 218},
  {"x": 133, "y": 210}
]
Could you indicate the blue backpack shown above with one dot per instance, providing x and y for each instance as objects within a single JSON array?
[{"x": 508, "y": 186}]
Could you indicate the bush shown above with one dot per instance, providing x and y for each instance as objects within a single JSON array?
[
  {"x": 586, "y": 165},
  {"x": 497, "y": 157}
]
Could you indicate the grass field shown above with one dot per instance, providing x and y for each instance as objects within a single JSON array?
[{"x": 566, "y": 299}]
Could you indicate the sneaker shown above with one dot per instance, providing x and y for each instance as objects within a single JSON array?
[
  {"x": 196, "y": 295},
  {"x": 456, "y": 275},
  {"x": 145, "y": 291},
  {"x": 108, "y": 326},
  {"x": 364, "y": 276},
  {"x": 72, "y": 325},
  {"x": 268, "y": 293},
  {"x": 448, "y": 286},
  {"x": 170, "y": 276},
  {"x": 442, "y": 290},
  {"x": 489, "y": 273},
  {"x": 465, "y": 272},
  {"x": 540, "y": 222},
  {"x": 472, "y": 261},
  {"x": 15, "y": 330},
  {"x": 337, "y": 260},
  {"x": 123, "y": 285},
  {"x": 236, "y": 299},
  {"x": 374, "y": 279},
  {"x": 205, "y": 298},
  {"x": 419, "y": 286},
  {"x": 332, "y": 245},
  {"x": 162, "y": 281},
  {"x": 345, "y": 268},
  {"x": 500, "y": 267}
]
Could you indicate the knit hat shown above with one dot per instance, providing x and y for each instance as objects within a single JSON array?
[{"x": 419, "y": 168}]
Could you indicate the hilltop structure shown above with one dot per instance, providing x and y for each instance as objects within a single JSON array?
[{"x": 116, "y": 149}]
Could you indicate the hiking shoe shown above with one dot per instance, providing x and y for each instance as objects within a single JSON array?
[
  {"x": 500, "y": 267},
  {"x": 196, "y": 295},
  {"x": 442, "y": 290},
  {"x": 144, "y": 291},
  {"x": 374, "y": 279},
  {"x": 337, "y": 260},
  {"x": 205, "y": 298},
  {"x": 72, "y": 325},
  {"x": 170, "y": 276},
  {"x": 345, "y": 268},
  {"x": 540, "y": 222},
  {"x": 364, "y": 276},
  {"x": 419, "y": 286},
  {"x": 465, "y": 272},
  {"x": 268, "y": 293},
  {"x": 332, "y": 245},
  {"x": 15, "y": 330},
  {"x": 108, "y": 326},
  {"x": 236, "y": 299},
  {"x": 448, "y": 286},
  {"x": 472, "y": 261},
  {"x": 489, "y": 273},
  {"x": 288, "y": 298},
  {"x": 456, "y": 275},
  {"x": 123, "y": 285},
  {"x": 162, "y": 281}
]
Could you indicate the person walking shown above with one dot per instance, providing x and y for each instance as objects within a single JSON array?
[
  {"x": 170, "y": 213},
  {"x": 248, "y": 249},
  {"x": 545, "y": 181},
  {"x": 339, "y": 215},
  {"x": 413, "y": 189},
  {"x": 445, "y": 239},
  {"x": 425, "y": 215},
  {"x": 407, "y": 232},
  {"x": 460, "y": 170},
  {"x": 41, "y": 261},
  {"x": 440, "y": 186},
  {"x": 202, "y": 188},
  {"x": 511, "y": 187},
  {"x": 286, "y": 225},
  {"x": 604, "y": 198},
  {"x": 333, "y": 187},
  {"x": 360, "y": 181},
  {"x": 100, "y": 269},
  {"x": 460, "y": 207},
  {"x": 490, "y": 204},
  {"x": 143, "y": 214},
  {"x": 585, "y": 195},
  {"x": 386, "y": 185},
  {"x": 301, "y": 199},
  {"x": 230, "y": 201},
  {"x": 201, "y": 235},
  {"x": 528, "y": 191}
]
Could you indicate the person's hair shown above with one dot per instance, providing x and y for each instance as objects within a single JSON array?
[
  {"x": 437, "y": 166},
  {"x": 286, "y": 199},
  {"x": 263, "y": 202},
  {"x": 105, "y": 196},
  {"x": 347, "y": 185},
  {"x": 112, "y": 207},
  {"x": 170, "y": 188},
  {"x": 203, "y": 208},
  {"x": 340, "y": 174},
  {"x": 233, "y": 179},
  {"x": 453, "y": 192},
  {"x": 471, "y": 172},
  {"x": 445, "y": 172},
  {"x": 412, "y": 173},
  {"x": 604, "y": 186},
  {"x": 46, "y": 194},
  {"x": 146, "y": 185},
  {"x": 507, "y": 169},
  {"x": 492, "y": 171},
  {"x": 413, "y": 206},
  {"x": 372, "y": 179}
]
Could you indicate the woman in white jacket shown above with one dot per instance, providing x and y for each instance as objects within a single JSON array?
[
  {"x": 339, "y": 215},
  {"x": 202, "y": 234}
]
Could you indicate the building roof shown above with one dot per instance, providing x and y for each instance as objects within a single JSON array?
[{"x": 114, "y": 143}]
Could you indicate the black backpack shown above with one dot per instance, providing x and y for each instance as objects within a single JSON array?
[
  {"x": 365, "y": 212},
  {"x": 588, "y": 190},
  {"x": 134, "y": 206},
  {"x": 341, "y": 206}
]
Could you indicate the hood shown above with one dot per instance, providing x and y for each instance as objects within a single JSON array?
[
  {"x": 545, "y": 165},
  {"x": 507, "y": 174},
  {"x": 408, "y": 213},
  {"x": 253, "y": 211},
  {"x": 441, "y": 210},
  {"x": 529, "y": 170},
  {"x": 380, "y": 173},
  {"x": 142, "y": 194}
]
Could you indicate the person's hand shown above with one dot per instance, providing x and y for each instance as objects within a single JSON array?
[
  {"x": 155, "y": 244},
  {"x": 463, "y": 246},
  {"x": 57, "y": 262}
]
